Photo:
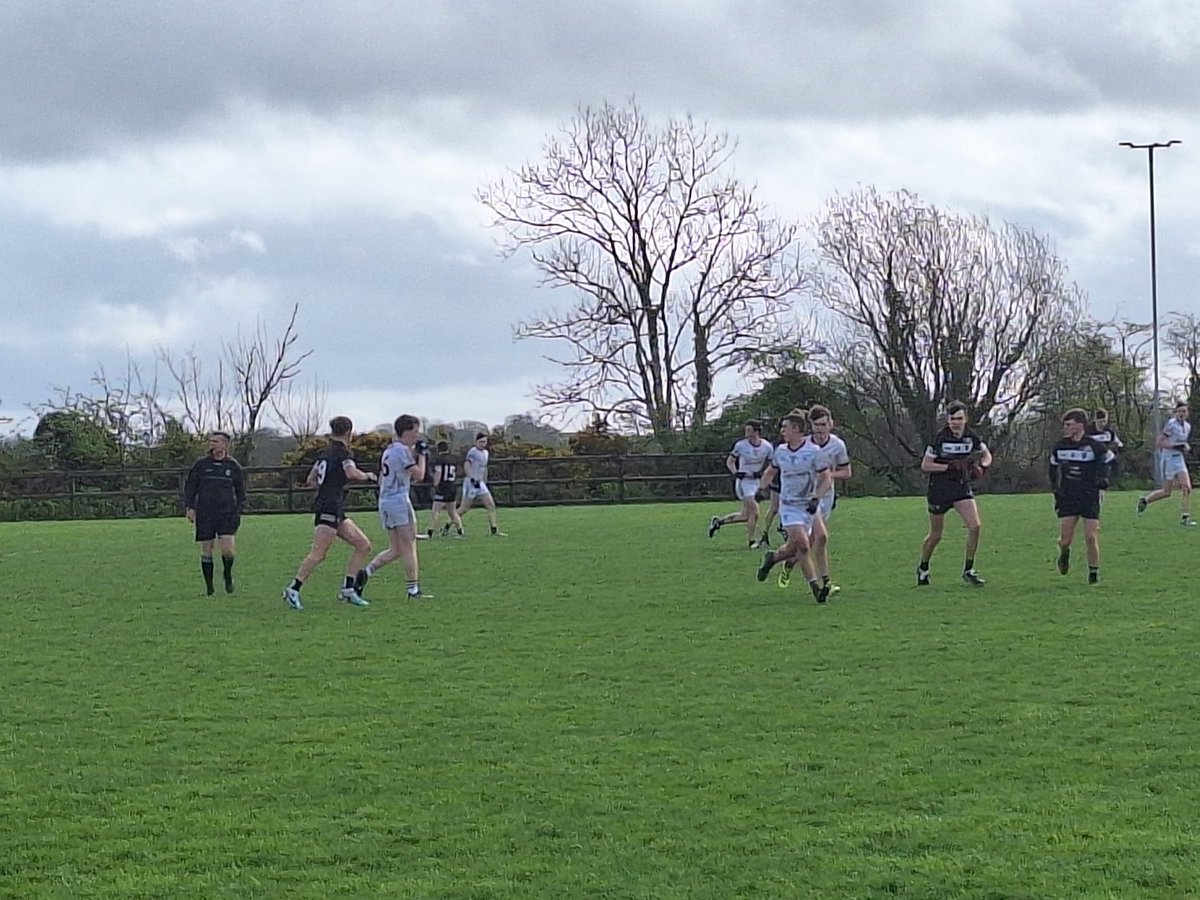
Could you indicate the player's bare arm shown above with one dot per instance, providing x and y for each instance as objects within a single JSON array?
[
  {"x": 824, "y": 483},
  {"x": 354, "y": 473},
  {"x": 931, "y": 466}
]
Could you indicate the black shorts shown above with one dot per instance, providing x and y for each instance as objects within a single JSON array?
[
  {"x": 446, "y": 492},
  {"x": 1084, "y": 507},
  {"x": 942, "y": 502},
  {"x": 330, "y": 516},
  {"x": 210, "y": 525}
]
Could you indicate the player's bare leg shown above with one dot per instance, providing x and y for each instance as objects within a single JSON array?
[
  {"x": 970, "y": 516},
  {"x": 1185, "y": 502},
  {"x": 361, "y": 544},
  {"x": 1091, "y": 534},
  {"x": 490, "y": 506},
  {"x": 819, "y": 540},
  {"x": 1066, "y": 534},
  {"x": 937, "y": 527},
  {"x": 323, "y": 538},
  {"x": 772, "y": 512}
]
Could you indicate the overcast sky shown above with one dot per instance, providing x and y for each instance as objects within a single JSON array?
[{"x": 170, "y": 171}]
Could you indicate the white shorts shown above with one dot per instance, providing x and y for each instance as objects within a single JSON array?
[
  {"x": 825, "y": 510},
  {"x": 746, "y": 488},
  {"x": 1173, "y": 464},
  {"x": 396, "y": 514},
  {"x": 470, "y": 492},
  {"x": 795, "y": 515}
]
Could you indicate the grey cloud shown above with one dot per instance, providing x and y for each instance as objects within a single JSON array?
[
  {"x": 75, "y": 77},
  {"x": 382, "y": 303}
]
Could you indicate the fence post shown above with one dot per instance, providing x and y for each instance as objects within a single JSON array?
[
  {"x": 620, "y": 478},
  {"x": 74, "y": 499}
]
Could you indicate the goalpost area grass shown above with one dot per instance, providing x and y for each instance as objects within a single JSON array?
[{"x": 604, "y": 704}]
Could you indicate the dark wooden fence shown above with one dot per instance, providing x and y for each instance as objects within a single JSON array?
[{"x": 529, "y": 481}]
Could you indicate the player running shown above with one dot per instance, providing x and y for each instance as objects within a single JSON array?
[
  {"x": 1079, "y": 470},
  {"x": 805, "y": 479},
  {"x": 955, "y": 458},
  {"x": 838, "y": 457},
  {"x": 1174, "y": 446},
  {"x": 764, "y": 541},
  {"x": 746, "y": 462},
  {"x": 331, "y": 474}
]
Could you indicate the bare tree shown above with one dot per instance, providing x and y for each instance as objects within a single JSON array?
[
  {"x": 261, "y": 366},
  {"x": 242, "y": 383},
  {"x": 206, "y": 404},
  {"x": 680, "y": 273},
  {"x": 930, "y": 307},
  {"x": 1182, "y": 338},
  {"x": 128, "y": 406},
  {"x": 301, "y": 408}
]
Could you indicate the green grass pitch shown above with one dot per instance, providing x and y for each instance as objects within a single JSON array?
[{"x": 604, "y": 704}]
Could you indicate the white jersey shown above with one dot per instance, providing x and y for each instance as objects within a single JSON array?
[
  {"x": 1178, "y": 433},
  {"x": 395, "y": 474},
  {"x": 799, "y": 471},
  {"x": 752, "y": 461},
  {"x": 478, "y": 460},
  {"x": 835, "y": 452},
  {"x": 838, "y": 456}
]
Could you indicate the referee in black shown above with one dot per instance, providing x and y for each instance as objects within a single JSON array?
[{"x": 213, "y": 498}]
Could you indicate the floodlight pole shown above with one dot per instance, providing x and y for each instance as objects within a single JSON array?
[{"x": 1156, "y": 411}]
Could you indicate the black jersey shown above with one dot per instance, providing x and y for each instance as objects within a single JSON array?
[
  {"x": 958, "y": 452},
  {"x": 445, "y": 469},
  {"x": 215, "y": 485},
  {"x": 1105, "y": 436},
  {"x": 1079, "y": 469},
  {"x": 331, "y": 476}
]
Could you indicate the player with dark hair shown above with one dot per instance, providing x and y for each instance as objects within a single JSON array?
[
  {"x": 1079, "y": 471},
  {"x": 805, "y": 479},
  {"x": 475, "y": 483},
  {"x": 214, "y": 496},
  {"x": 1102, "y": 432},
  {"x": 838, "y": 456},
  {"x": 403, "y": 463},
  {"x": 954, "y": 459},
  {"x": 764, "y": 540},
  {"x": 331, "y": 474},
  {"x": 445, "y": 491},
  {"x": 1173, "y": 445},
  {"x": 746, "y": 462}
]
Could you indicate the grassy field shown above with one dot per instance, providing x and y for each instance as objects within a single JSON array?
[{"x": 604, "y": 704}]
